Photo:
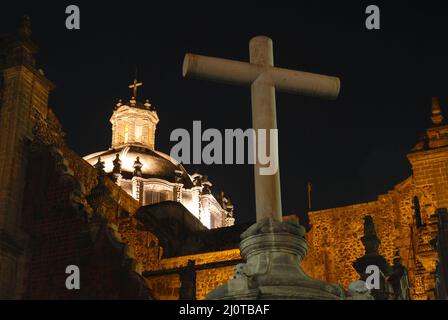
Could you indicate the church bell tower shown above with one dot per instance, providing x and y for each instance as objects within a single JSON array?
[{"x": 24, "y": 94}]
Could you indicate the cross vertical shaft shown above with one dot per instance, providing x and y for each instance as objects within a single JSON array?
[{"x": 267, "y": 187}]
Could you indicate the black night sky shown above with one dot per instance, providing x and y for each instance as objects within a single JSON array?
[{"x": 351, "y": 149}]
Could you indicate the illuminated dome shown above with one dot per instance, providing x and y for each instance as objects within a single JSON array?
[
  {"x": 154, "y": 164},
  {"x": 151, "y": 176}
]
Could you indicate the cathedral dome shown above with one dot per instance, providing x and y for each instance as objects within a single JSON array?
[
  {"x": 154, "y": 164},
  {"x": 151, "y": 176}
]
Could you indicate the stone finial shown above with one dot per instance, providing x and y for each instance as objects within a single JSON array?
[
  {"x": 197, "y": 179},
  {"x": 147, "y": 104},
  {"x": 178, "y": 174},
  {"x": 117, "y": 165},
  {"x": 24, "y": 30},
  {"x": 222, "y": 199},
  {"x": 138, "y": 167},
  {"x": 370, "y": 240},
  {"x": 99, "y": 165},
  {"x": 99, "y": 192},
  {"x": 119, "y": 103},
  {"x": 399, "y": 278},
  {"x": 397, "y": 258},
  {"x": 206, "y": 185},
  {"x": 436, "y": 111},
  {"x": 225, "y": 203},
  {"x": 372, "y": 257},
  {"x": 229, "y": 209}
]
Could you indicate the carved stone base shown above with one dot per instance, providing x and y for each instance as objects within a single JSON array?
[{"x": 273, "y": 251}]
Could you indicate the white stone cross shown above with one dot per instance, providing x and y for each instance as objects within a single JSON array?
[{"x": 264, "y": 79}]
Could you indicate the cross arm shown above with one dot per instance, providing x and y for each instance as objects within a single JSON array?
[
  {"x": 243, "y": 73},
  {"x": 305, "y": 83},
  {"x": 220, "y": 70}
]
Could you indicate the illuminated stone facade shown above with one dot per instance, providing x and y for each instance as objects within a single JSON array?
[
  {"x": 24, "y": 94},
  {"x": 167, "y": 285},
  {"x": 404, "y": 218}
]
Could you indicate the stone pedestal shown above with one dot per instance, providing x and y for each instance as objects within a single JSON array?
[{"x": 273, "y": 251}]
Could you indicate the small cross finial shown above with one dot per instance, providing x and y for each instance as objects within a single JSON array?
[
  {"x": 24, "y": 30},
  {"x": 134, "y": 86},
  {"x": 436, "y": 112}
]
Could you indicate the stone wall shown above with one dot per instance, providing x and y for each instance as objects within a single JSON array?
[
  {"x": 63, "y": 232},
  {"x": 143, "y": 246},
  {"x": 335, "y": 237},
  {"x": 405, "y": 220},
  {"x": 164, "y": 287},
  {"x": 207, "y": 279}
]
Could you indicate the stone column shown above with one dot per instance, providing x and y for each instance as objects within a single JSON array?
[
  {"x": 177, "y": 189},
  {"x": 24, "y": 102}
]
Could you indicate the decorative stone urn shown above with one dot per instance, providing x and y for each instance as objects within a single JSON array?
[{"x": 273, "y": 251}]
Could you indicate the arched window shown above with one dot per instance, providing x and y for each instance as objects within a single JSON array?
[
  {"x": 126, "y": 133},
  {"x": 165, "y": 196},
  {"x": 138, "y": 133},
  {"x": 151, "y": 196}
]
